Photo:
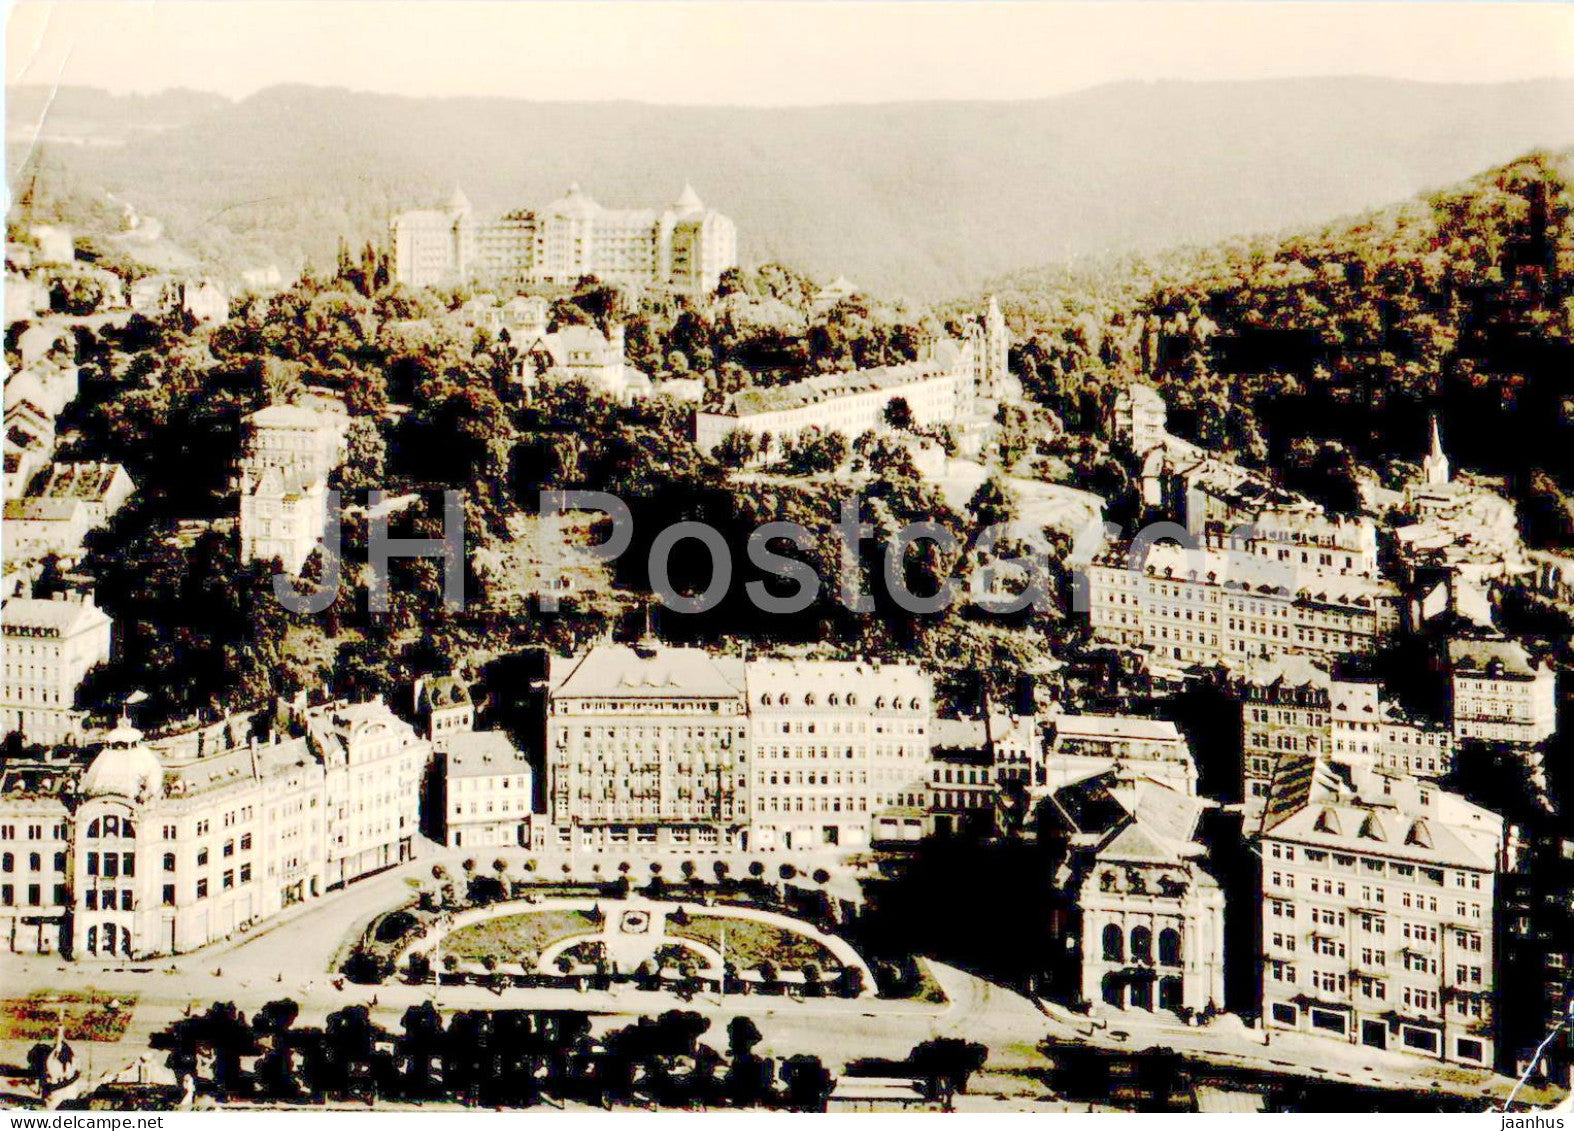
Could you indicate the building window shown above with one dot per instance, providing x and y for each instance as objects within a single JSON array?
[
  {"x": 1284, "y": 1014},
  {"x": 1141, "y": 945},
  {"x": 169, "y": 861},
  {"x": 169, "y": 895},
  {"x": 1423, "y": 1039},
  {"x": 202, "y": 889},
  {"x": 1328, "y": 1020},
  {"x": 1114, "y": 944},
  {"x": 1169, "y": 947}
]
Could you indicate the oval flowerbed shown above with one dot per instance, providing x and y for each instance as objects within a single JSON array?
[
  {"x": 517, "y": 938},
  {"x": 750, "y": 942}
]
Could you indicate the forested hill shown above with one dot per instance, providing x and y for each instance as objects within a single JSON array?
[
  {"x": 1322, "y": 348},
  {"x": 921, "y": 199}
]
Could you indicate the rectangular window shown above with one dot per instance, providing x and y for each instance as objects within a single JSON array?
[
  {"x": 1328, "y": 1020},
  {"x": 202, "y": 889},
  {"x": 169, "y": 895}
]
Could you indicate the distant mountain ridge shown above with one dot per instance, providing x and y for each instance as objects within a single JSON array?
[{"x": 921, "y": 198}]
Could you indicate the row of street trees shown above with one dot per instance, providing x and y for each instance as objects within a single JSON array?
[{"x": 508, "y": 1058}]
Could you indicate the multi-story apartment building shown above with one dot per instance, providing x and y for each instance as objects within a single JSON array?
[
  {"x": 49, "y": 647},
  {"x": 646, "y": 745},
  {"x": 1141, "y": 418},
  {"x": 1499, "y": 693},
  {"x": 432, "y": 246},
  {"x": 289, "y": 451},
  {"x": 175, "y": 843},
  {"x": 963, "y": 790},
  {"x": 1292, "y": 706},
  {"x": 684, "y": 248},
  {"x": 1370, "y": 728},
  {"x": 163, "y": 847},
  {"x": 444, "y": 708},
  {"x": 488, "y": 791},
  {"x": 282, "y": 516},
  {"x": 1285, "y": 710},
  {"x": 1017, "y": 747},
  {"x": 35, "y": 853},
  {"x": 949, "y": 386},
  {"x": 673, "y": 747},
  {"x": 1377, "y": 911},
  {"x": 1140, "y": 918},
  {"x": 1209, "y": 606},
  {"x": 373, "y": 765},
  {"x": 833, "y": 744},
  {"x": 309, "y": 438}
]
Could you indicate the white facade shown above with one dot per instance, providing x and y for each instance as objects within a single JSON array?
[
  {"x": 163, "y": 847},
  {"x": 288, "y": 454},
  {"x": 281, "y": 516},
  {"x": 647, "y": 746},
  {"x": 1211, "y": 606},
  {"x": 1500, "y": 694},
  {"x": 50, "y": 646},
  {"x": 373, "y": 766},
  {"x": 1150, "y": 924},
  {"x": 833, "y": 744},
  {"x": 1377, "y": 911},
  {"x": 955, "y": 384},
  {"x": 683, "y": 248},
  {"x": 488, "y": 789}
]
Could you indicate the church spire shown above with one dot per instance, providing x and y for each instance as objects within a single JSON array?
[{"x": 1434, "y": 468}]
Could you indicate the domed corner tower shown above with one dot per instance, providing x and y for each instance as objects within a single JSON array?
[{"x": 115, "y": 887}]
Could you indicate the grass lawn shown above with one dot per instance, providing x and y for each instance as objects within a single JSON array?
[
  {"x": 88, "y": 1017},
  {"x": 517, "y": 938},
  {"x": 750, "y": 943}
]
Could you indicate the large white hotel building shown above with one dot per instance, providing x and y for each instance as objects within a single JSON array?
[
  {"x": 684, "y": 248},
  {"x": 163, "y": 846},
  {"x": 1377, "y": 911},
  {"x": 677, "y": 748}
]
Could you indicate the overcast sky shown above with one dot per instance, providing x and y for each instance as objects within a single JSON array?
[{"x": 767, "y": 52}]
